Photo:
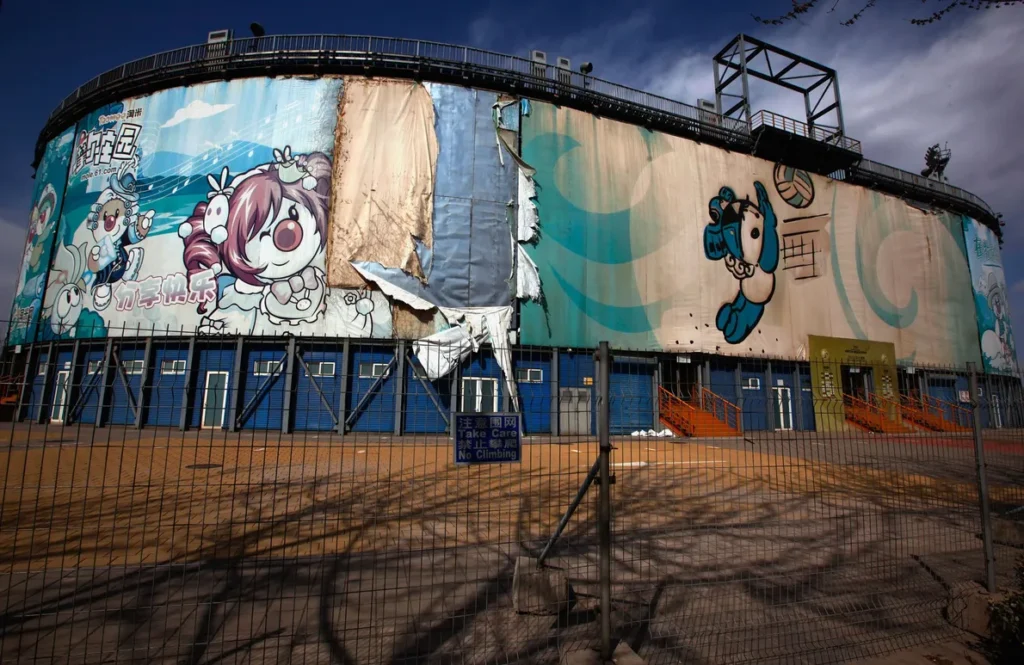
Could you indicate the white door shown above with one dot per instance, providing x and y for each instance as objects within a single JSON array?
[
  {"x": 60, "y": 397},
  {"x": 784, "y": 400},
  {"x": 215, "y": 399},
  {"x": 997, "y": 411},
  {"x": 479, "y": 395}
]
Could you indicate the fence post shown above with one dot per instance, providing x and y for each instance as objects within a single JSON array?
[
  {"x": 979, "y": 465},
  {"x": 604, "y": 513}
]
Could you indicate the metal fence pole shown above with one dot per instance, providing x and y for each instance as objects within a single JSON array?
[
  {"x": 979, "y": 463},
  {"x": 604, "y": 501}
]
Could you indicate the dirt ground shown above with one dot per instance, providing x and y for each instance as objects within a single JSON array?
[
  {"x": 214, "y": 547},
  {"x": 76, "y": 497}
]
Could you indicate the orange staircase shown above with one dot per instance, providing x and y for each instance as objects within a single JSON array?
[
  {"x": 10, "y": 387},
  {"x": 709, "y": 415},
  {"x": 870, "y": 416},
  {"x": 934, "y": 414}
]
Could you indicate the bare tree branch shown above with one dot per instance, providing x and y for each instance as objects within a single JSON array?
[{"x": 800, "y": 9}]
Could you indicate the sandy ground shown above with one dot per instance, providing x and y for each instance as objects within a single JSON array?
[{"x": 209, "y": 547}]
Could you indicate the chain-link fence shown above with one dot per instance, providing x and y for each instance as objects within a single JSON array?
[{"x": 199, "y": 499}]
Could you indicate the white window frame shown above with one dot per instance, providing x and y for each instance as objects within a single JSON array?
[
  {"x": 752, "y": 383},
  {"x": 42, "y": 369},
  {"x": 134, "y": 366},
  {"x": 317, "y": 370},
  {"x": 93, "y": 367},
  {"x": 265, "y": 367},
  {"x": 377, "y": 370},
  {"x": 174, "y": 368},
  {"x": 530, "y": 375},
  {"x": 479, "y": 394},
  {"x": 223, "y": 408}
]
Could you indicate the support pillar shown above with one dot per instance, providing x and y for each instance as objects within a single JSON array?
[{"x": 236, "y": 384}]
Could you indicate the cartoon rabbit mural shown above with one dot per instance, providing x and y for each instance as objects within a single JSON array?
[{"x": 65, "y": 297}]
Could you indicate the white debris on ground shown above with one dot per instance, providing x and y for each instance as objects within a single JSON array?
[{"x": 651, "y": 432}]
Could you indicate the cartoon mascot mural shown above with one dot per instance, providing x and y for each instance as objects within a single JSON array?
[
  {"x": 744, "y": 235},
  {"x": 116, "y": 225},
  {"x": 263, "y": 235}
]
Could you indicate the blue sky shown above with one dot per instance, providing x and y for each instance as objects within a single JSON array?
[{"x": 903, "y": 87}]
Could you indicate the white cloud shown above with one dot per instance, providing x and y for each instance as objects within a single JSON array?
[{"x": 195, "y": 110}]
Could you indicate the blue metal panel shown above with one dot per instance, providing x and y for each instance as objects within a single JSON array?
[
  {"x": 723, "y": 379},
  {"x": 267, "y": 409},
  {"x": 310, "y": 412},
  {"x": 535, "y": 398},
  {"x": 35, "y": 390},
  {"x": 379, "y": 413},
  {"x": 631, "y": 402},
  {"x": 120, "y": 406},
  {"x": 806, "y": 399},
  {"x": 755, "y": 402},
  {"x": 166, "y": 390},
  {"x": 219, "y": 359},
  {"x": 421, "y": 414},
  {"x": 944, "y": 387},
  {"x": 90, "y": 386}
]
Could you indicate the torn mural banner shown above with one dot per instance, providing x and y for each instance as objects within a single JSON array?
[
  {"x": 382, "y": 203},
  {"x": 442, "y": 352}
]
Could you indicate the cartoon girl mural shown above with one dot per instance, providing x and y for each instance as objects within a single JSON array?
[
  {"x": 744, "y": 235},
  {"x": 115, "y": 223},
  {"x": 263, "y": 236}
]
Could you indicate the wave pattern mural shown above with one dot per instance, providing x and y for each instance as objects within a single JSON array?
[{"x": 660, "y": 243}]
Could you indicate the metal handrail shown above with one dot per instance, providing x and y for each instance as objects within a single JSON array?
[
  {"x": 668, "y": 401},
  {"x": 713, "y": 403},
  {"x": 817, "y": 133},
  {"x": 287, "y": 53}
]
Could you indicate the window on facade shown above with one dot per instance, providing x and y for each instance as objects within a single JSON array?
[
  {"x": 93, "y": 366},
  {"x": 132, "y": 366},
  {"x": 372, "y": 370},
  {"x": 479, "y": 395},
  {"x": 265, "y": 367},
  {"x": 172, "y": 367},
  {"x": 42, "y": 369},
  {"x": 752, "y": 383},
  {"x": 321, "y": 367},
  {"x": 531, "y": 375}
]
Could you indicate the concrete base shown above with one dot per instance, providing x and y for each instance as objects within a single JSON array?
[
  {"x": 536, "y": 590},
  {"x": 969, "y": 607},
  {"x": 1008, "y": 532},
  {"x": 622, "y": 655}
]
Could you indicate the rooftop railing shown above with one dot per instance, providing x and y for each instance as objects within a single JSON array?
[
  {"x": 818, "y": 133},
  {"x": 284, "y": 54}
]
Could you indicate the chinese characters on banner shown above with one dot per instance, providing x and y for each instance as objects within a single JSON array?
[{"x": 172, "y": 289}]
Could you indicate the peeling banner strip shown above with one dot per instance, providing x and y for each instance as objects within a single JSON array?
[
  {"x": 386, "y": 155},
  {"x": 441, "y": 352}
]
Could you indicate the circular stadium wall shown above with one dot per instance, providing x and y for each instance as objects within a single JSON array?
[{"x": 329, "y": 208}]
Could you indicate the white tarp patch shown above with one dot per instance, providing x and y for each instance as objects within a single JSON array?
[{"x": 392, "y": 291}]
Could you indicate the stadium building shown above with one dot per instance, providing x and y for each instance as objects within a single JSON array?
[{"x": 365, "y": 234}]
